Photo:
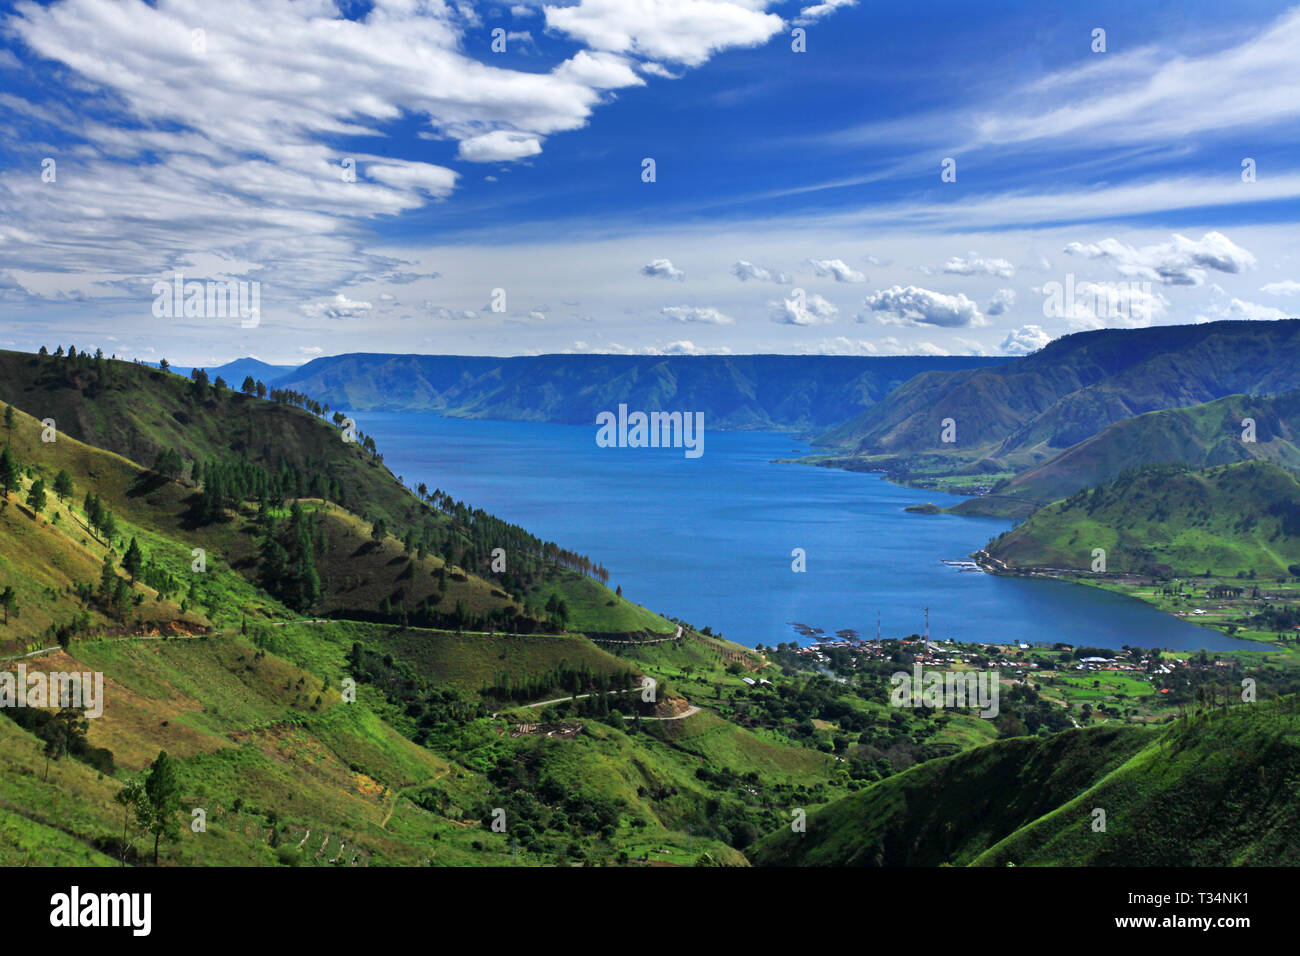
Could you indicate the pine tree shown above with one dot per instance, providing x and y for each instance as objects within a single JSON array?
[
  {"x": 8, "y": 470},
  {"x": 156, "y": 813},
  {"x": 63, "y": 485},
  {"x": 36, "y": 496},
  {"x": 106, "y": 578},
  {"x": 133, "y": 561}
]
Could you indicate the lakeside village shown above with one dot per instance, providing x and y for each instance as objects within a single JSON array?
[
  {"x": 1130, "y": 685},
  {"x": 1009, "y": 658}
]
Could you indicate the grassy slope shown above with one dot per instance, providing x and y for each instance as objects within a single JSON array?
[
  {"x": 1222, "y": 518},
  {"x": 248, "y": 724},
  {"x": 950, "y": 810},
  {"x": 1216, "y": 789}
]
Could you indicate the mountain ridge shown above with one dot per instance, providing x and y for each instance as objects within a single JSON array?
[{"x": 796, "y": 393}]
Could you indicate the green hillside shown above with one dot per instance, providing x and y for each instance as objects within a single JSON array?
[
  {"x": 1199, "y": 437},
  {"x": 1216, "y": 788},
  {"x": 951, "y": 810},
  {"x": 221, "y": 469},
  {"x": 1242, "y": 518}
]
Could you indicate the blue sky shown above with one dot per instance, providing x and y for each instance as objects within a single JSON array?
[{"x": 499, "y": 205}]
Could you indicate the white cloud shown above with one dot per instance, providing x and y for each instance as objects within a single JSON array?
[
  {"x": 1149, "y": 94},
  {"x": 977, "y": 265},
  {"x": 1003, "y": 300},
  {"x": 838, "y": 269},
  {"x": 658, "y": 69},
  {"x": 442, "y": 313},
  {"x": 685, "y": 347},
  {"x": 1285, "y": 287},
  {"x": 434, "y": 180},
  {"x": 1181, "y": 261},
  {"x": 681, "y": 347},
  {"x": 600, "y": 71},
  {"x": 890, "y": 345},
  {"x": 1238, "y": 309},
  {"x": 743, "y": 271},
  {"x": 690, "y": 313},
  {"x": 916, "y": 306},
  {"x": 662, "y": 269},
  {"x": 825, "y": 8},
  {"x": 339, "y": 307},
  {"x": 1027, "y": 339},
  {"x": 680, "y": 31},
  {"x": 499, "y": 146},
  {"x": 803, "y": 310}
]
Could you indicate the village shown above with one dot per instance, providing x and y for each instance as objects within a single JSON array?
[{"x": 1134, "y": 684}]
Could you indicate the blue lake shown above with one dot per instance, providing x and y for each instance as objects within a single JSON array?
[{"x": 709, "y": 540}]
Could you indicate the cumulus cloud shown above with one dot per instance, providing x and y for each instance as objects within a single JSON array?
[
  {"x": 680, "y": 31},
  {"x": 842, "y": 345},
  {"x": 744, "y": 271},
  {"x": 600, "y": 71},
  {"x": 499, "y": 146},
  {"x": 912, "y": 305},
  {"x": 1003, "y": 300},
  {"x": 1285, "y": 287},
  {"x": 691, "y": 313},
  {"x": 838, "y": 269},
  {"x": 685, "y": 347},
  {"x": 978, "y": 265},
  {"x": 1181, "y": 261},
  {"x": 803, "y": 310},
  {"x": 662, "y": 269},
  {"x": 1027, "y": 339},
  {"x": 339, "y": 307},
  {"x": 1238, "y": 309}
]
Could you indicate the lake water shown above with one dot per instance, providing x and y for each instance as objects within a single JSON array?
[{"x": 709, "y": 540}]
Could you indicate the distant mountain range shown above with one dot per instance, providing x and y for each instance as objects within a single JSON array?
[
  {"x": 1009, "y": 416},
  {"x": 796, "y": 393},
  {"x": 235, "y": 372}
]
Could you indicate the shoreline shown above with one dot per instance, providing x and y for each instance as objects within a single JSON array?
[{"x": 1117, "y": 584}]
